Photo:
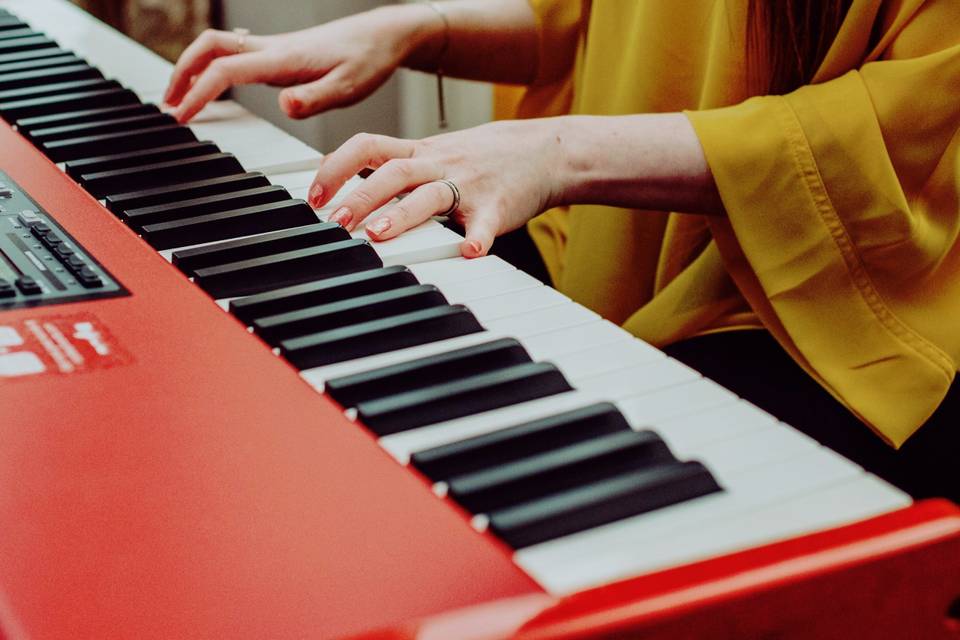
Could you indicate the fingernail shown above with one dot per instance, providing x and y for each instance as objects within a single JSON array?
[
  {"x": 316, "y": 191},
  {"x": 293, "y": 102},
  {"x": 379, "y": 225},
  {"x": 342, "y": 217},
  {"x": 475, "y": 246}
]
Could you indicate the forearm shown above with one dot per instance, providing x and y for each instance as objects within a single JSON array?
[
  {"x": 488, "y": 40},
  {"x": 647, "y": 161}
]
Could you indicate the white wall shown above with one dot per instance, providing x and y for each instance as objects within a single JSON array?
[{"x": 406, "y": 106}]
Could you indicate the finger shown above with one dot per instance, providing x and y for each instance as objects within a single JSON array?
[
  {"x": 220, "y": 75},
  {"x": 329, "y": 92},
  {"x": 422, "y": 203},
  {"x": 392, "y": 178},
  {"x": 209, "y": 45},
  {"x": 359, "y": 152},
  {"x": 481, "y": 229}
]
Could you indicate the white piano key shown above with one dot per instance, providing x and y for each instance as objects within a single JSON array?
[
  {"x": 435, "y": 243},
  {"x": 543, "y": 320},
  {"x": 594, "y": 360},
  {"x": 625, "y": 379},
  {"x": 516, "y": 303},
  {"x": 459, "y": 269},
  {"x": 675, "y": 401},
  {"x": 258, "y": 145},
  {"x": 720, "y": 423},
  {"x": 748, "y": 450},
  {"x": 298, "y": 183},
  {"x": 566, "y": 340},
  {"x": 723, "y": 522},
  {"x": 497, "y": 284}
]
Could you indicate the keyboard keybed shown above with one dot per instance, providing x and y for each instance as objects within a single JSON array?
[{"x": 587, "y": 450}]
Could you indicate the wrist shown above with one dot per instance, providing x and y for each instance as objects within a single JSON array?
[
  {"x": 643, "y": 161},
  {"x": 574, "y": 163},
  {"x": 417, "y": 32}
]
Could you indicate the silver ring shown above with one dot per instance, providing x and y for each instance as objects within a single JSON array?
[
  {"x": 241, "y": 34},
  {"x": 456, "y": 196}
]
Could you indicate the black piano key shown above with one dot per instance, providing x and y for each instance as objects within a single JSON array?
[
  {"x": 8, "y": 22},
  {"x": 256, "y": 275},
  {"x": 48, "y": 75},
  {"x": 322, "y": 291},
  {"x": 40, "y": 63},
  {"x": 598, "y": 503},
  {"x": 15, "y": 110},
  {"x": 505, "y": 445},
  {"x": 228, "y": 224},
  {"x": 379, "y": 336},
  {"x": 23, "y": 31},
  {"x": 126, "y": 122},
  {"x": 33, "y": 54},
  {"x": 57, "y": 88},
  {"x": 81, "y": 167},
  {"x": 193, "y": 207},
  {"x": 423, "y": 372},
  {"x": 357, "y": 310},
  {"x": 121, "y": 202},
  {"x": 150, "y": 138},
  {"x": 28, "y": 125},
  {"x": 311, "y": 235},
  {"x": 212, "y": 165},
  {"x": 460, "y": 398},
  {"x": 554, "y": 471},
  {"x": 26, "y": 44}
]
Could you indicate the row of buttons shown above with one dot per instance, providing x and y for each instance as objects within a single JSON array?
[
  {"x": 73, "y": 262},
  {"x": 27, "y": 285}
]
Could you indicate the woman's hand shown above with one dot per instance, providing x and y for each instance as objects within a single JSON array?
[
  {"x": 509, "y": 171},
  {"x": 332, "y": 65},
  {"x": 506, "y": 173}
]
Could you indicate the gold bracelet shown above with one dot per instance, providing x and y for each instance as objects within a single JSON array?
[{"x": 441, "y": 103}]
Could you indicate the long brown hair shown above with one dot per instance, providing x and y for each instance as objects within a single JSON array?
[{"x": 787, "y": 40}]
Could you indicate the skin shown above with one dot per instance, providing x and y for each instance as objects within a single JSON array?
[{"x": 507, "y": 172}]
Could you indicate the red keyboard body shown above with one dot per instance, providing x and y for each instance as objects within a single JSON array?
[{"x": 196, "y": 487}]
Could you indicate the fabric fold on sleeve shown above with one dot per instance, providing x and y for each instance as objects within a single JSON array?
[
  {"x": 559, "y": 35},
  {"x": 842, "y": 228}
]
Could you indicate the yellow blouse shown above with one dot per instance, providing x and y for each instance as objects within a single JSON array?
[{"x": 842, "y": 196}]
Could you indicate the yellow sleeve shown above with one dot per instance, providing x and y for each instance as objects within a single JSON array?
[
  {"x": 559, "y": 33},
  {"x": 843, "y": 221},
  {"x": 560, "y": 27}
]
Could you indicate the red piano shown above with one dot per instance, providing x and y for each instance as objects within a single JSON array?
[{"x": 222, "y": 416}]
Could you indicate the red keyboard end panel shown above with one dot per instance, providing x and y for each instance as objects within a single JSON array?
[
  {"x": 195, "y": 487},
  {"x": 892, "y": 577}
]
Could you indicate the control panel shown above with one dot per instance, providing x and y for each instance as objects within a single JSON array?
[{"x": 40, "y": 263}]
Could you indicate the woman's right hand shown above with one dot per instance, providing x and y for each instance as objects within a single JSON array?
[{"x": 332, "y": 65}]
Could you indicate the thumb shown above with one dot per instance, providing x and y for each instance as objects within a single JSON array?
[
  {"x": 332, "y": 90},
  {"x": 480, "y": 232}
]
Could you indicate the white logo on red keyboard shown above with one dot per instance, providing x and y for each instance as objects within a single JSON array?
[
  {"x": 86, "y": 331},
  {"x": 17, "y": 363}
]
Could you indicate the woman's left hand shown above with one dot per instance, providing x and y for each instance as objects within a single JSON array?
[{"x": 506, "y": 173}]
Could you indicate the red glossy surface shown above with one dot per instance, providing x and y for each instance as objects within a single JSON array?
[
  {"x": 891, "y": 577},
  {"x": 203, "y": 490}
]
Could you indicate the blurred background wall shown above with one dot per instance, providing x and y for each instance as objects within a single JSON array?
[{"x": 406, "y": 106}]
